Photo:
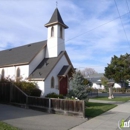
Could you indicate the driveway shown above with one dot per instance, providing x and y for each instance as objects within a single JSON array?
[{"x": 27, "y": 119}]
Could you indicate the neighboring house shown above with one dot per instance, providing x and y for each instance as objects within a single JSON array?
[
  {"x": 46, "y": 62},
  {"x": 95, "y": 79}
]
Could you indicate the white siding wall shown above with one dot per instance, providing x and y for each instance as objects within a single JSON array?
[
  {"x": 36, "y": 61},
  {"x": 47, "y": 84},
  {"x": 11, "y": 71},
  {"x": 117, "y": 85},
  {"x": 55, "y": 44},
  {"x": 24, "y": 71},
  {"x": 40, "y": 85}
]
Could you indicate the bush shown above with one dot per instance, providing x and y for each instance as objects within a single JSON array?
[
  {"x": 54, "y": 95},
  {"x": 120, "y": 90},
  {"x": 102, "y": 90},
  {"x": 3, "y": 80},
  {"x": 27, "y": 87},
  {"x": 128, "y": 90},
  {"x": 36, "y": 92}
]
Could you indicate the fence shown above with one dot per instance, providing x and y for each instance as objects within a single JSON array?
[
  {"x": 53, "y": 105},
  {"x": 93, "y": 93},
  {"x": 4, "y": 92},
  {"x": 10, "y": 93}
]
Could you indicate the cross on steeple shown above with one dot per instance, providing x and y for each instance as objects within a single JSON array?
[{"x": 56, "y": 4}]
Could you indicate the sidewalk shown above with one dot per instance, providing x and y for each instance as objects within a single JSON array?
[
  {"x": 103, "y": 101},
  {"x": 108, "y": 120},
  {"x": 27, "y": 119}
]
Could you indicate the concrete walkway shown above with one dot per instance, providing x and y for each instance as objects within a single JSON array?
[
  {"x": 108, "y": 120},
  {"x": 108, "y": 102},
  {"x": 27, "y": 119}
]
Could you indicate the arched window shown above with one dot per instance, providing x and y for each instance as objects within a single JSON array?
[
  {"x": 61, "y": 32},
  {"x": 2, "y": 74},
  {"x": 52, "y": 82},
  {"x": 18, "y": 73},
  {"x": 52, "y": 31}
]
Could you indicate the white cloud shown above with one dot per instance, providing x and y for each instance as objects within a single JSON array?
[{"x": 22, "y": 22}]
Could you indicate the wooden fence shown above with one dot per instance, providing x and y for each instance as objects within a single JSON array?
[
  {"x": 54, "y": 105},
  {"x": 4, "y": 92},
  {"x": 10, "y": 93}
]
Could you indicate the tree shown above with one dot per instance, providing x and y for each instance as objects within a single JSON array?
[
  {"x": 88, "y": 71},
  {"x": 119, "y": 68},
  {"x": 79, "y": 86},
  {"x": 104, "y": 82}
]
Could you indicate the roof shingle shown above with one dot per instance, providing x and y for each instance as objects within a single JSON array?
[
  {"x": 45, "y": 67},
  {"x": 20, "y": 55},
  {"x": 56, "y": 19}
]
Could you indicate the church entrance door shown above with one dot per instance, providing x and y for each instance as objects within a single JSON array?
[{"x": 63, "y": 85}]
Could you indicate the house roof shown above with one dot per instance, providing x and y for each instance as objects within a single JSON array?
[
  {"x": 46, "y": 66},
  {"x": 64, "y": 70},
  {"x": 95, "y": 78},
  {"x": 56, "y": 19},
  {"x": 96, "y": 75},
  {"x": 20, "y": 55}
]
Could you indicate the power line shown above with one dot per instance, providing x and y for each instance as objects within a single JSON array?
[
  {"x": 101, "y": 26},
  {"x": 121, "y": 21},
  {"x": 128, "y": 6},
  {"x": 97, "y": 27}
]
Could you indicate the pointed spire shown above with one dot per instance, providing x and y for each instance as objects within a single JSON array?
[{"x": 56, "y": 19}]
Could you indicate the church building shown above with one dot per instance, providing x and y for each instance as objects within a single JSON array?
[{"x": 45, "y": 62}]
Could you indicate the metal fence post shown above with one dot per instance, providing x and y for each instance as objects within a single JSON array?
[
  {"x": 11, "y": 92},
  {"x": 49, "y": 109},
  {"x": 26, "y": 102},
  {"x": 83, "y": 105}
]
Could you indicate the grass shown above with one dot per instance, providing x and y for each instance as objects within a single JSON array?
[
  {"x": 95, "y": 109},
  {"x": 123, "y": 99},
  {"x": 4, "y": 126}
]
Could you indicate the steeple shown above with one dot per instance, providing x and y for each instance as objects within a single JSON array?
[
  {"x": 56, "y": 19},
  {"x": 56, "y": 35}
]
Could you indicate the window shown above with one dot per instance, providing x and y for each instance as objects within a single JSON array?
[
  {"x": 52, "y": 82},
  {"x": 52, "y": 31},
  {"x": 2, "y": 74},
  {"x": 18, "y": 73},
  {"x": 61, "y": 32}
]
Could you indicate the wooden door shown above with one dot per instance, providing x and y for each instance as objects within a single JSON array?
[{"x": 63, "y": 85}]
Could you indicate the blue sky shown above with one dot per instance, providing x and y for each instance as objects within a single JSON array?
[{"x": 95, "y": 32}]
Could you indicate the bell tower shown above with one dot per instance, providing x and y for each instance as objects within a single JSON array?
[{"x": 56, "y": 35}]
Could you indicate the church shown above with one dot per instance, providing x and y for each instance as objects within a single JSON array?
[{"x": 45, "y": 63}]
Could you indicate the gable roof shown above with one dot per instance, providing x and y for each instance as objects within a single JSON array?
[
  {"x": 95, "y": 78},
  {"x": 46, "y": 66},
  {"x": 96, "y": 75},
  {"x": 56, "y": 19},
  {"x": 21, "y": 55},
  {"x": 64, "y": 70}
]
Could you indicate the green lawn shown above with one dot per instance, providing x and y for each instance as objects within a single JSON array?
[
  {"x": 123, "y": 99},
  {"x": 95, "y": 109},
  {"x": 4, "y": 126}
]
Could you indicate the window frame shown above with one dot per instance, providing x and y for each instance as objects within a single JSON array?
[
  {"x": 52, "y": 31},
  {"x": 52, "y": 82},
  {"x": 61, "y": 32},
  {"x": 2, "y": 74}
]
